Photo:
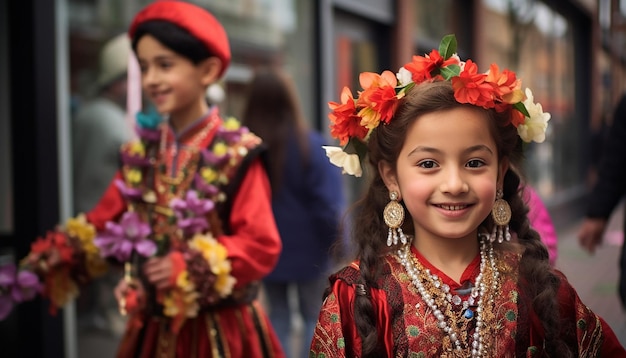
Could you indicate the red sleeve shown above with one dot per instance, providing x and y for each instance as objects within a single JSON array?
[
  {"x": 611, "y": 347},
  {"x": 110, "y": 206},
  {"x": 255, "y": 245},
  {"x": 592, "y": 333}
]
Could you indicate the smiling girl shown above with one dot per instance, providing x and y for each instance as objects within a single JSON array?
[{"x": 436, "y": 273}]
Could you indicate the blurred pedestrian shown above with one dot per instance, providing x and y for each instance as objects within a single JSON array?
[
  {"x": 608, "y": 190},
  {"x": 99, "y": 129},
  {"x": 306, "y": 200}
]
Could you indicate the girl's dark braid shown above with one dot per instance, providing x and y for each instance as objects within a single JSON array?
[{"x": 538, "y": 280}]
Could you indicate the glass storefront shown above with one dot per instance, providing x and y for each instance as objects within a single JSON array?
[{"x": 538, "y": 44}]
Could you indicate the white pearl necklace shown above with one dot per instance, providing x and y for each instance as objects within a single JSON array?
[{"x": 477, "y": 292}]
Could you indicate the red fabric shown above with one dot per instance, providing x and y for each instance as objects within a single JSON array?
[
  {"x": 406, "y": 326},
  {"x": 178, "y": 265},
  {"x": 237, "y": 332},
  {"x": 254, "y": 248},
  {"x": 197, "y": 20},
  {"x": 110, "y": 207}
]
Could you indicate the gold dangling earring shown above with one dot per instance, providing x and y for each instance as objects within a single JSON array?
[
  {"x": 394, "y": 217},
  {"x": 501, "y": 214}
]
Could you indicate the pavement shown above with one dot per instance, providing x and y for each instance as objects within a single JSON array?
[{"x": 595, "y": 276}]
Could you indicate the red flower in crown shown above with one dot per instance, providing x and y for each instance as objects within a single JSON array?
[
  {"x": 506, "y": 87},
  {"x": 424, "y": 67},
  {"x": 381, "y": 95},
  {"x": 470, "y": 87},
  {"x": 345, "y": 123},
  {"x": 378, "y": 98}
]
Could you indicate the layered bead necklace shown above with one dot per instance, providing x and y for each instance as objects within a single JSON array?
[{"x": 440, "y": 301}]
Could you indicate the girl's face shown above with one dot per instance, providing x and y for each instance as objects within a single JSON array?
[
  {"x": 447, "y": 173},
  {"x": 172, "y": 82}
]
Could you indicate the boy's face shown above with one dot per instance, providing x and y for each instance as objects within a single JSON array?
[{"x": 172, "y": 82}]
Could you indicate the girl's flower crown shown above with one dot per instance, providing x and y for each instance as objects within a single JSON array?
[{"x": 353, "y": 119}]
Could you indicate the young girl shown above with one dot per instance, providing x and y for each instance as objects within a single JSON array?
[
  {"x": 435, "y": 274},
  {"x": 189, "y": 212}
]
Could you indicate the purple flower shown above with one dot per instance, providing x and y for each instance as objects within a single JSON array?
[
  {"x": 191, "y": 212},
  {"x": 119, "y": 240},
  {"x": 232, "y": 136},
  {"x": 7, "y": 276},
  {"x": 201, "y": 184},
  {"x": 133, "y": 194},
  {"x": 16, "y": 287},
  {"x": 150, "y": 135},
  {"x": 134, "y": 160},
  {"x": 213, "y": 160},
  {"x": 26, "y": 287}
]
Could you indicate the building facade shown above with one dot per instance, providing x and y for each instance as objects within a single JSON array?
[{"x": 570, "y": 53}]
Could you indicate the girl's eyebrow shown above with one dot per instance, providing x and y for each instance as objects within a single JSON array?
[{"x": 474, "y": 148}]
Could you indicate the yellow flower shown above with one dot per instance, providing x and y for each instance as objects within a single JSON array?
[
  {"x": 137, "y": 149},
  {"x": 224, "y": 285},
  {"x": 96, "y": 266},
  {"x": 232, "y": 124},
  {"x": 181, "y": 301},
  {"x": 133, "y": 176},
  {"x": 85, "y": 232},
  {"x": 217, "y": 257},
  {"x": 80, "y": 228},
  {"x": 209, "y": 174},
  {"x": 220, "y": 149}
]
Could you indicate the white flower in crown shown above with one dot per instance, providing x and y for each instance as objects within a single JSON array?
[
  {"x": 404, "y": 77},
  {"x": 534, "y": 127},
  {"x": 350, "y": 163}
]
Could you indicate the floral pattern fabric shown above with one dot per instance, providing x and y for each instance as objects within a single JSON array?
[{"x": 408, "y": 328}]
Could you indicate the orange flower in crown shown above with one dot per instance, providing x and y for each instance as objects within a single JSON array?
[
  {"x": 354, "y": 118},
  {"x": 345, "y": 123}
]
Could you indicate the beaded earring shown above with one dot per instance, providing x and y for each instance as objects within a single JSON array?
[
  {"x": 501, "y": 214},
  {"x": 394, "y": 217}
]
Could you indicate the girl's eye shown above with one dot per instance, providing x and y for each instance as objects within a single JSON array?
[
  {"x": 427, "y": 164},
  {"x": 475, "y": 163}
]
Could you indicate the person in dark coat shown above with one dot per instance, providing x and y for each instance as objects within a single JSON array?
[
  {"x": 306, "y": 200},
  {"x": 608, "y": 190}
]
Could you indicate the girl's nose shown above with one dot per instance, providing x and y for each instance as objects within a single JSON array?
[{"x": 453, "y": 182}]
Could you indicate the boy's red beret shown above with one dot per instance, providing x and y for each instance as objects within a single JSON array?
[{"x": 198, "y": 21}]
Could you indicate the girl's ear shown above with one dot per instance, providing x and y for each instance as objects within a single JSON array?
[
  {"x": 210, "y": 70},
  {"x": 388, "y": 174}
]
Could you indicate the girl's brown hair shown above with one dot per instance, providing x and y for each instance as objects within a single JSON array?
[
  {"x": 273, "y": 113},
  {"x": 538, "y": 281}
]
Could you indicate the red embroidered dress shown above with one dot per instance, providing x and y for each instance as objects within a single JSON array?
[
  {"x": 408, "y": 328},
  {"x": 204, "y": 198}
]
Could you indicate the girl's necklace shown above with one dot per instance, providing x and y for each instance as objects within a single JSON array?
[{"x": 438, "y": 296}]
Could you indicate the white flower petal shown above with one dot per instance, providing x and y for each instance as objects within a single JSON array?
[
  {"x": 404, "y": 77},
  {"x": 534, "y": 127},
  {"x": 350, "y": 163}
]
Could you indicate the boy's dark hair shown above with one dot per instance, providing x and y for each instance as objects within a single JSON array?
[{"x": 173, "y": 37}]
